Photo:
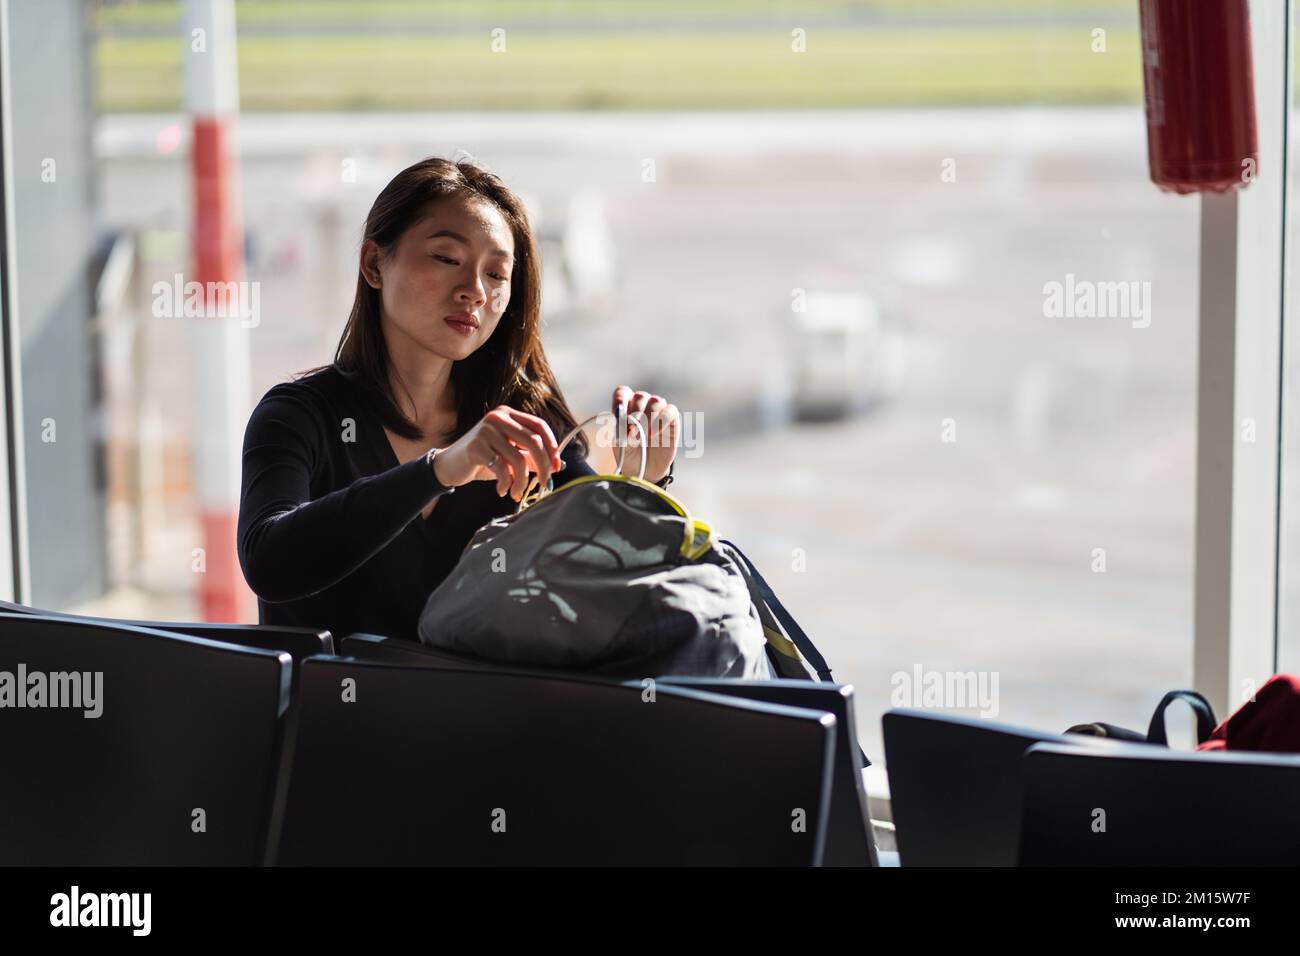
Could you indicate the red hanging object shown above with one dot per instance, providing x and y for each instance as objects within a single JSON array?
[{"x": 1200, "y": 94}]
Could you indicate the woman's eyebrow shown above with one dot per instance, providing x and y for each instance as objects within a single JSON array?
[{"x": 452, "y": 234}]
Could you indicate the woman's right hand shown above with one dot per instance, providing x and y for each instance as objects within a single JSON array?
[{"x": 521, "y": 443}]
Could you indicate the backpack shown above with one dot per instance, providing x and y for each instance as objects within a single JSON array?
[
  {"x": 1155, "y": 733},
  {"x": 612, "y": 575},
  {"x": 1269, "y": 721}
]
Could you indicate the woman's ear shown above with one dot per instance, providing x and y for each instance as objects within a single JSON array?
[{"x": 370, "y": 263}]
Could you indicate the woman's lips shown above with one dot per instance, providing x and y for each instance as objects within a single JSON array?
[{"x": 465, "y": 326}]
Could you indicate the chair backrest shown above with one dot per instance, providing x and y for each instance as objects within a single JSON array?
[
  {"x": 179, "y": 767},
  {"x": 300, "y": 642},
  {"x": 1136, "y": 805},
  {"x": 849, "y": 837},
  {"x": 398, "y": 765},
  {"x": 954, "y": 787},
  {"x": 391, "y": 650}
]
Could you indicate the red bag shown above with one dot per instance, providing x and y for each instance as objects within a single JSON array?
[{"x": 1271, "y": 721}]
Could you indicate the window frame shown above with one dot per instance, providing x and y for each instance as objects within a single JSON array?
[
  {"x": 1235, "y": 645},
  {"x": 15, "y": 584}
]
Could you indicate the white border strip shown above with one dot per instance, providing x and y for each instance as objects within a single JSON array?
[
  {"x": 15, "y": 576},
  {"x": 1242, "y": 266}
]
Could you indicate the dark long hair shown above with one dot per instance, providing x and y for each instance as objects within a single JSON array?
[{"x": 511, "y": 367}]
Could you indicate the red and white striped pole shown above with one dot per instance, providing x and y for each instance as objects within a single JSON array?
[{"x": 219, "y": 339}]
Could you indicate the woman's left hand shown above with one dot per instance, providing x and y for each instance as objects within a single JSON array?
[{"x": 662, "y": 424}]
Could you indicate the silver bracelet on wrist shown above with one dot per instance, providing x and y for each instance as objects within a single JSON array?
[{"x": 429, "y": 456}]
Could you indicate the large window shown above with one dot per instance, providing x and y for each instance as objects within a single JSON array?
[{"x": 904, "y": 268}]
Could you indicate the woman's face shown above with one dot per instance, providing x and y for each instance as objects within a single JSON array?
[{"x": 454, "y": 262}]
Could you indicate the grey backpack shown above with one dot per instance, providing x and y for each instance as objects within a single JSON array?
[{"x": 610, "y": 574}]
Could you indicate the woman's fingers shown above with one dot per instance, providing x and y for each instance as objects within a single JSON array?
[
  {"x": 532, "y": 447},
  {"x": 544, "y": 463},
  {"x": 638, "y": 403},
  {"x": 630, "y": 400},
  {"x": 655, "y": 414},
  {"x": 660, "y": 420},
  {"x": 664, "y": 419},
  {"x": 623, "y": 406},
  {"x": 622, "y": 396},
  {"x": 521, "y": 428},
  {"x": 507, "y": 463},
  {"x": 543, "y": 459}
]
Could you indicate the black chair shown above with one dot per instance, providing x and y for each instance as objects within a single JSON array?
[
  {"x": 1139, "y": 805},
  {"x": 300, "y": 642},
  {"x": 185, "y": 724},
  {"x": 954, "y": 786},
  {"x": 430, "y": 765},
  {"x": 390, "y": 650},
  {"x": 849, "y": 837}
]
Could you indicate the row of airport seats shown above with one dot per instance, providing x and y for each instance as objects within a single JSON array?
[
  {"x": 226, "y": 744},
  {"x": 970, "y": 792}
]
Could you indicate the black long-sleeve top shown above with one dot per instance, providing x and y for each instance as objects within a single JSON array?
[{"x": 330, "y": 533}]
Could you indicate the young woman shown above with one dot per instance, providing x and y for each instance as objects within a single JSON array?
[{"x": 364, "y": 480}]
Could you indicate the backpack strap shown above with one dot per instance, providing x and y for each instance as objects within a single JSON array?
[
  {"x": 1205, "y": 722},
  {"x": 766, "y": 600},
  {"x": 1099, "y": 729},
  {"x": 792, "y": 628}
]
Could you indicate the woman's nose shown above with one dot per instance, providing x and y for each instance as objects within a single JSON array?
[{"x": 474, "y": 292}]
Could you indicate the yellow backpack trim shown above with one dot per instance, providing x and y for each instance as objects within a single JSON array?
[
  {"x": 781, "y": 643},
  {"x": 697, "y": 538}
]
